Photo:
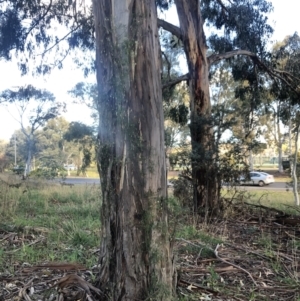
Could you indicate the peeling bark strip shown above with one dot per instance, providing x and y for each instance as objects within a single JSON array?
[{"x": 136, "y": 256}]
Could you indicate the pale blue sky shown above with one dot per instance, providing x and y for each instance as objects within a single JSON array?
[{"x": 284, "y": 19}]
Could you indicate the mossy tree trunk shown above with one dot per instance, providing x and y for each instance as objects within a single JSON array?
[
  {"x": 206, "y": 188},
  {"x": 136, "y": 254}
]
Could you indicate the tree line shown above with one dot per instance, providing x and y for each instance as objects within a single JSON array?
[{"x": 50, "y": 149}]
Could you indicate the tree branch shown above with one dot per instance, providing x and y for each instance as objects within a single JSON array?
[
  {"x": 288, "y": 75},
  {"x": 168, "y": 63},
  {"x": 58, "y": 41},
  {"x": 215, "y": 58},
  {"x": 234, "y": 265},
  {"x": 222, "y": 5},
  {"x": 282, "y": 75},
  {"x": 176, "y": 81},
  {"x": 173, "y": 29},
  {"x": 39, "y": 19}
]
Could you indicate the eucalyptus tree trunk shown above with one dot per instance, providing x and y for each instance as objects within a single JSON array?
[
  {"x": 136, "y": 260},
  {"x": 28, "y": 161},
  {"x": 204, "y": 172},
  {"x": 251, "y": 165},
  {"x": 280, "y": 167},
  {"x": 294, "y": 169},
  {"x": 290, "y": 143},
  {"x": 30, "y": 142},
  {"x": 279, "y": 139}
]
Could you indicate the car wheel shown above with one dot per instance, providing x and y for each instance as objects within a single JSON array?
[{"x": 261, "y": 183}]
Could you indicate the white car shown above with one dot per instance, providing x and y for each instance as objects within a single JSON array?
[
  {"x": 257, "y": 178},
  {"x": 69, "y": 167},
  {"x": 170, "y": 185}
]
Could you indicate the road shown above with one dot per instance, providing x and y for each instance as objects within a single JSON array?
[
  {"x": 277, "y": 186},
  {"x": 81, "y": 181}
]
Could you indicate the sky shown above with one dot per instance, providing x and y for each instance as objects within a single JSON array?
[{"x": 284, "y": 19}]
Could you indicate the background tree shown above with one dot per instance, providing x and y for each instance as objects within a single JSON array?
[
  {"x": 228, "y": 126},
  {"x": 233, "y": 39},
  {"x": 276, "y": 127},
  {"x": 287, "y": 57},
  {"x": 53, "y": 149},
  {"x": 4, "y": 161},
  {"x": 35, "y": 107},
  {"x": 83, "y": 137},
  {"x": 175, "y": 102},
  {"x": 18, "y": 140},
  {"x": 294, "y": 166},
  {"x": 51, "y": 142}
]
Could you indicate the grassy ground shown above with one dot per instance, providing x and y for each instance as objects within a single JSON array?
[
  {"x": 91, "y": 172},
  {"x": 48, "y": 224},
  {"x": 278, "y": 199},
  {"x": 49, "y": 231}
]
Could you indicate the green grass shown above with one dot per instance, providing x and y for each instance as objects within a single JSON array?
[
  {"x": 195, "y": 241},
  {"x": 54, "y": 224},
  {"x": 91, "y": 172},
  {"x": 282, "y": 200}
]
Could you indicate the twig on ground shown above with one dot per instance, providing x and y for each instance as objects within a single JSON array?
[
  {"x": 207, "y": 289},
  {"x": 33, "y": 243},
  {"x": 191, "y": 243},
  {"x": 236, "y": 266},
  {"x": 221, "y": 259},
  {"x": 267, "y": 208}
]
